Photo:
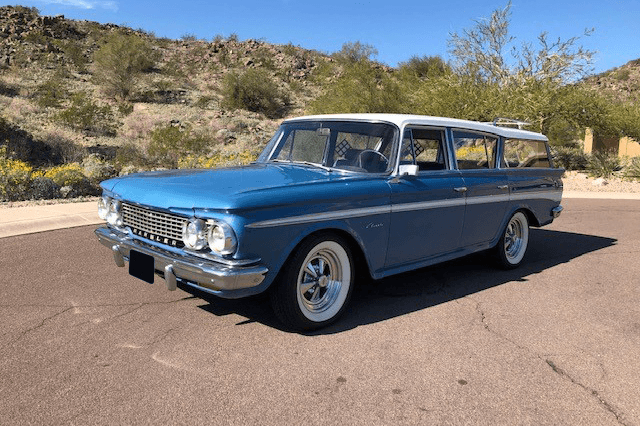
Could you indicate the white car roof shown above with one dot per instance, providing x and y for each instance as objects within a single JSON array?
[{"x": 402, "y": 120}]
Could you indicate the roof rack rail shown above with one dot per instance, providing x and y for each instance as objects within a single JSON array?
[{"x": 507, "y": 122}]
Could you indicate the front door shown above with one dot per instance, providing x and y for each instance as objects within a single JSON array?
[{"x": 427, "y": 210}]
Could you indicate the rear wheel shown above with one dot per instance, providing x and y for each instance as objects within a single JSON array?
[
  {"x": 316, "y": 284},
  {"x": 514, "y": 241}
]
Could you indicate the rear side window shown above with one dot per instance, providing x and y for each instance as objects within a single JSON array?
[
  {"x": 525, "y": 153},
  {"x": 474, "y": 150},
  {"x": 425, "y": 148}
]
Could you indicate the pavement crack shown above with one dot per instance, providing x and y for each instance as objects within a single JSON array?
[
  {"x": 101, "y": 305},
  {"x": 594, "y": 393},
  {"x": 603, "y": 402},
  {"x": 41, "y": 324},
  {"x": 487, "y": 327},
  {"x": 162, "y": 336}
]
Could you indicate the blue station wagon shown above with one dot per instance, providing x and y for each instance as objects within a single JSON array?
[{"x": 332, "y": 198}]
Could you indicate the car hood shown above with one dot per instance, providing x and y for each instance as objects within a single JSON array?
[{"x": 219, "y": 189}]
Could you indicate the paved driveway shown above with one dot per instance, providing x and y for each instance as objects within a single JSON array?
[{"x": 554, "y": 342}]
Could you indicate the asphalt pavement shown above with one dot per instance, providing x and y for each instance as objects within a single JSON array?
[{"x": 553, "y": 342}]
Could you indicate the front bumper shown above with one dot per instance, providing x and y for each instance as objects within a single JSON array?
[{"x": 177, "y": 266}]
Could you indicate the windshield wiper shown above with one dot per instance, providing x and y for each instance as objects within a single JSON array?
[
  {"x": 309, "y": 163},
  {"x": 306, "y": 163}
]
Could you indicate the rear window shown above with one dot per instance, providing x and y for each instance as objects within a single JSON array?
[
  {"x": 525, "y": 153},
  {"x": 474, "y": 150}
]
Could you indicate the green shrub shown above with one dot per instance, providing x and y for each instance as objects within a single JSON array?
[
  {"x": 125, "y": 108},
  {"x": 63, "y": 150},
  {"x": 570, "y": 158},
  {"x": 353, "y": 52},
  {"x": 15, "y": 178},
  {"x": 170, "y": 143},
  {"x": 74, "y": 52},
  {"x": 31, "y": 12},
  {"x": 622, "y": 75},
  {"x": 89, "y": 117},
  {"x": 206, "y": 102},
  {"x": 52, "y": 92},
  {"x": 425, "y": 66},
  {"x": 362, "y": 87},
  {"x": 71, "y": 180},
  {"x": 35, "y": 37},
  {"x": 632, "y": 171},
  {"x": 43, "y": 188},
  {"x": 97, "y": 169},
  {"x": 129, "y": 155},
  {"x": 121, "y": 60},
  {"x": 265, "y": 58},
  {"x": 217, "y": 160},
  {"x": 604, "y": 164},
  {"x": 254, "y": 90}
]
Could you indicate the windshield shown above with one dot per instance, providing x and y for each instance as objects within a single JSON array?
[{"x": 352, "y": 146}]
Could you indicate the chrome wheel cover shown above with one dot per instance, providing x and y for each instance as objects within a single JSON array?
[
  {"x": 516, "y": 237},
  {"x": 323, "y": 281}
]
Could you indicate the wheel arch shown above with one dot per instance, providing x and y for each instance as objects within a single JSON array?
[
  {"x": 528, "y": 212},
  {"x": 361, "y": 263}
]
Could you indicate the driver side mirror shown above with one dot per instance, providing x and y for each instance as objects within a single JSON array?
[{"x": 408, "y": 170}]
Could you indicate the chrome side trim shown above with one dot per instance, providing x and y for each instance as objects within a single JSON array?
[
  {"x": 427, "y": 205},
  {"x": 553, "y": 195},
  {"x": 486, "y": 199},
  {"x": 317, "y": 217}
]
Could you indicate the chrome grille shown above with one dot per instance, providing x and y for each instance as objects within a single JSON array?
[{"x": 162, "y": 227}]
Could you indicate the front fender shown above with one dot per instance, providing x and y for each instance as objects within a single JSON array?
[{"x": 370, "y": 233}]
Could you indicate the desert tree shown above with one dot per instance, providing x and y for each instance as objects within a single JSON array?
[
  {"x": 488, "y": 52},
  {"x": 121, "y": 60}
]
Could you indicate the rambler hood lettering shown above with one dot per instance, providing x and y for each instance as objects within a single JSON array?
[{"x": 229, "y": 188}]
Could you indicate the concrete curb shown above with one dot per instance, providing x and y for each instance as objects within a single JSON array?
[
  {"x": 28, "y": 220},
  {"x": 31, "y": 219}
]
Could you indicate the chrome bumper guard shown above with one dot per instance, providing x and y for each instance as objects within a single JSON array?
[
  {"x": 555, "y": 212},
  {"x": 177, "y": 267}
]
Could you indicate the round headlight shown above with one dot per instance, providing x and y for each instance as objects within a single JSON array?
[
  {"x": 114, "y": 213},
  {"x": 194, "y": 234},
  {"x": 222, "y": 239},
  {"x": 103, "y": 207}
]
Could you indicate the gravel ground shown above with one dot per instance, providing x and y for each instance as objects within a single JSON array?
[{"x": 577, "y": 181}]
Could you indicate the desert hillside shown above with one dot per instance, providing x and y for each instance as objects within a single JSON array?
[
  {"x": 82, "y": 101},
  {"x": 622, "y": 83}
]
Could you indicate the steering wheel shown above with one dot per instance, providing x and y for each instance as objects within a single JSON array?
[{"x": 373, "y": 151}]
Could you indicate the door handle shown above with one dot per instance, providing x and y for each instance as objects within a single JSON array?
[
  {"x": 462, "y": 189},
  {"x": 503, "y": 187}
]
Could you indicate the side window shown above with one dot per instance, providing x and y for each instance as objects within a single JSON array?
[
  {"x": 474, "y": 150},
  {"x": 525, "y": 153},
  {"x": 425, "y": 148},
  {"x": 365, "y": 153}
]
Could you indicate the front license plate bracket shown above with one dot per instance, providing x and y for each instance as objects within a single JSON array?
[{"x": 141, "y": 266}]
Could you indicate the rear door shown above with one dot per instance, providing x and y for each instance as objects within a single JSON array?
[{"x": 487, "y": 186}]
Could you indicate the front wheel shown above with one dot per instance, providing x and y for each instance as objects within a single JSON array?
[
  {"x": 512, "y": 245},
  {"x": 315, "y": 284}
]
